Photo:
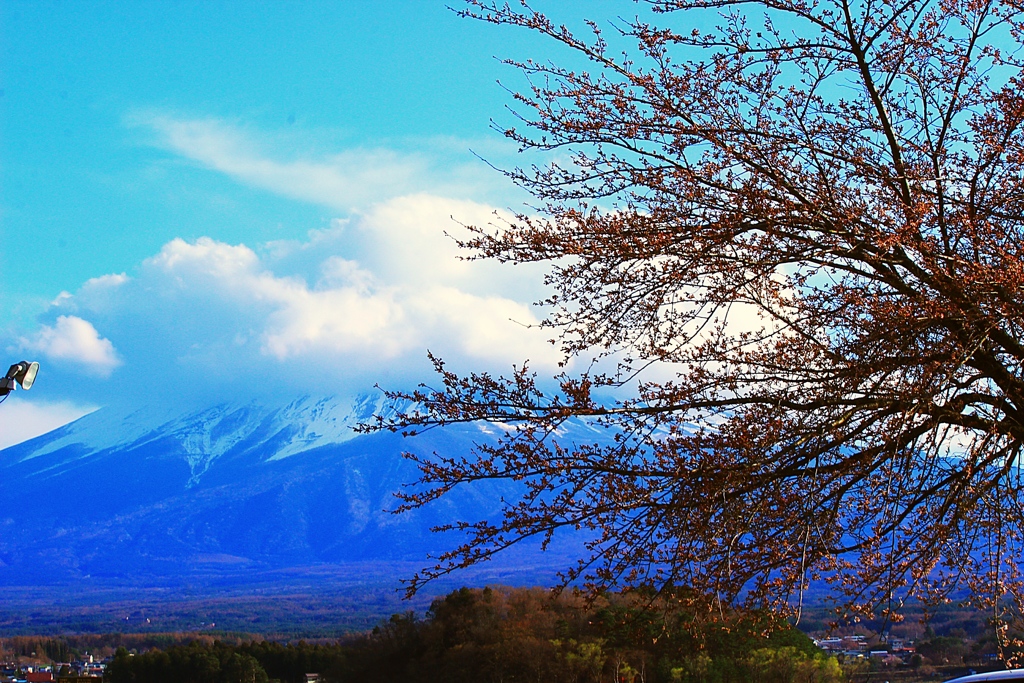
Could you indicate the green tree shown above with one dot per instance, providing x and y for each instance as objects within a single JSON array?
[
  {"x": 241, "y": 668},
  {"x": 119, "y": 669}
]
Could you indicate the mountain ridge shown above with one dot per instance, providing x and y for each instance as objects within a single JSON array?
[{"x": 155, "y": 496}]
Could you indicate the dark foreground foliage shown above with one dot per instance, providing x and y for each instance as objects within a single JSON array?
[{"x": 508, "y": 634}]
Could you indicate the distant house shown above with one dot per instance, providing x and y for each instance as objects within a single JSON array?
[
  {"x": 39, "y": 677},
  {"x": 831, "y": 645}
]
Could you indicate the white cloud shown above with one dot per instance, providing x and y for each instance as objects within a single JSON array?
[
  {"x": 340, "y": 181},
  {"x": 414, "y": 239},
  {"x": 488, "y": 328},
  {"x": 354, "y": 304},
  {"x": 23, "y": 420},
  {"x": 345, "y": 316},
  {"x": 349, "y": 313},
  {"x": 73, "y": 339},
  {"x": 106, "y": 281}
]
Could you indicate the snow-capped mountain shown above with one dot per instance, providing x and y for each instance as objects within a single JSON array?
[
  {"x": 230, "y": 488},
  {"x": 203, "y": 436}
]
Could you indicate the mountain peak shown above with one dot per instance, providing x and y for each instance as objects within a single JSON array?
[{"x": 280, "y": 428}]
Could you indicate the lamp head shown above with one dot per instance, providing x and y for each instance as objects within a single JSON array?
[{"x": 24, "y": 373}]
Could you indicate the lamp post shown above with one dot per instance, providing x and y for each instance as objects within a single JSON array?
[{"x": 23, "y": 373}]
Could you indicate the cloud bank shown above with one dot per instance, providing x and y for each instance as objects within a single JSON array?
[
  {"x": 73, "y": 339},
  {"x": 343, "y": 181},
  {"x": 353, "y": 305},
  {"x": 350, "y": 306}
]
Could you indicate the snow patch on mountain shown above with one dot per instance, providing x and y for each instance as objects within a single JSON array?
[
  {"x": 280, "y": 430},
  {"x": 100, "y": 430},
  {"x": 322, "y": 422}
]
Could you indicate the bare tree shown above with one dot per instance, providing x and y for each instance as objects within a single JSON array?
[{"x": 792, "y": 231}]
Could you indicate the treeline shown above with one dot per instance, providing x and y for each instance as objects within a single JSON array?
[
  {"x": 220, "y": 662},
  {"x": 506, "y": 634},
  {"x": 54, "y": 649},
  {"x": 65, "y": 648}
]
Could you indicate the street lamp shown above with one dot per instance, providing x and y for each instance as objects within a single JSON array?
[{"x": 23, "y": 373}]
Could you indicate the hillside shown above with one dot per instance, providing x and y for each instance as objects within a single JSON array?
[{"x": 232, "y": 492}]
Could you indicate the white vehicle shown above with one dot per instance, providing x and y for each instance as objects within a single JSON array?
[{"x": 1011, "y": 675}]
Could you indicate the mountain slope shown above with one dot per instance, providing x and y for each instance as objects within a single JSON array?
[{"x": 231, "y": 489}]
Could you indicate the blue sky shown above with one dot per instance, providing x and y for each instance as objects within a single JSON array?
[
  {"x": 89, "y": 181},
  {"x": 200, "y": 200}
]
